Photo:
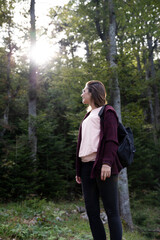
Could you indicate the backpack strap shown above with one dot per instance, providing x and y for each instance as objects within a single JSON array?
[{"x": 106, "y": 107}]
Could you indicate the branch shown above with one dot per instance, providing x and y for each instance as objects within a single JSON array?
[
  {"x": 155, "y": 43},
  {"x": 105, "y": 19},
  {"x": 16, "y": 92},
  {"x": 97, "y": 21}
]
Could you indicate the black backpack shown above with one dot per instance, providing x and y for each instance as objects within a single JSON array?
[{"x": 126, "y": 147}]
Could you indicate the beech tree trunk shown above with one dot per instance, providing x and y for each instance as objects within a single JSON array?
[
  {"x": 123, "y": 180},
  {"x": 32, "y": 96}
]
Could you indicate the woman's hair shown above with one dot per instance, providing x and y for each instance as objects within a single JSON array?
[{"x": 98, "y": 92}]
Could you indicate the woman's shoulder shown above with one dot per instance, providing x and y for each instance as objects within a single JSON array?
[
  {"x": 108, "y": 112},
  {"x": 106, "y": 109}
]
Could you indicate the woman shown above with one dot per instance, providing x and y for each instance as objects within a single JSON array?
[{"x": 97, "y": 163}]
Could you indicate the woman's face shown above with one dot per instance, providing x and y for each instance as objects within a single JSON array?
[{"x": 86, "y": 96}]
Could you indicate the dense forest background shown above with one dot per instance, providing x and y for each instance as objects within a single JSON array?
[{"x": 81, "y": 26}]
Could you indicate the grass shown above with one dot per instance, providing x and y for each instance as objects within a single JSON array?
[
  {"x": 147, "y": 217},
  {"x": 38, "y": 219}
]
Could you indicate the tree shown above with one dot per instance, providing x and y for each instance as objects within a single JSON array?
[
  {"x": 115, "y": 90},
  {"x": 32, "y": 86},
  {"x": 139, "y": 28},
  {"x": 10, "y": 47}
]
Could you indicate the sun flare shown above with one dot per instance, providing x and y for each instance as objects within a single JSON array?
[{"x": 43, "y": 52}]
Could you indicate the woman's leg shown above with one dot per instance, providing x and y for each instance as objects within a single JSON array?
[
  {"x": 91, "y": 197},
  {"x": 109, "y": 194}
]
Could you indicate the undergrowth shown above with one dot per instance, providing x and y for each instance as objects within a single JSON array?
[{"x": 36, "y": 219}]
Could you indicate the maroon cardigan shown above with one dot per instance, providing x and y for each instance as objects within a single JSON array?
[{"x": 108, "y": 144}]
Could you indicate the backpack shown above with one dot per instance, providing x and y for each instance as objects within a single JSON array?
[{"x": 126, "y": 147}]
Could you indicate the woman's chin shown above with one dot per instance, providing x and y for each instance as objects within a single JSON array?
[{"x": 84, "y": 102}]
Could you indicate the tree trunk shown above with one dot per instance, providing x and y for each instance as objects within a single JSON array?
[
  {"x": 138, "y": 62},
  {"x": 151, "y": 74},
  {"x": 88, "y": 49},
  {"x": 8, "y": 96},
  {"x": 157, "y": 108},
  {"x": 151, "y": 62},
  {"x": 123, "y": 181},
  {"x": 32, "y": 87},
  {"x": 149, "y": 92}
]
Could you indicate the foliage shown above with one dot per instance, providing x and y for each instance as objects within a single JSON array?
[
  {"x": 16, "y": 169},
  {"x": 146, "y": 218},
  {"x": 59, "y": 107},
  {"x": 40, "y": 219}
]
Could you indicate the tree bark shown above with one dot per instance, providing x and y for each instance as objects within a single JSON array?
[
  {"x": 88, "y": 49},
  {"x": 123, "y": 180},
  {"x": 32, "y": 87},
  {"x": 149, "y": 92},
  {"x": 151, "y": 74},
  {"x": 8, "y": 95},
  {"x": 157, "y": 108}
]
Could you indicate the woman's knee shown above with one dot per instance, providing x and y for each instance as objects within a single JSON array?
[{"x": 92, "y": 211}]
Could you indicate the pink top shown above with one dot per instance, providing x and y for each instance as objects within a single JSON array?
[{"x": 90, "y": 136}]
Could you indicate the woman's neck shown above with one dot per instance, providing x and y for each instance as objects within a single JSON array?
[{"x": 92, "y": 106}]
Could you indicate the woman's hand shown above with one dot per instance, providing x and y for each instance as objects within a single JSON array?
[
  {"x": 78, "y": 180},
  {"x": 105, "y": 172}
]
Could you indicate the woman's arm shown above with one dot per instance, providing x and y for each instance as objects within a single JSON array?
[{"x": 111, "y": 143}]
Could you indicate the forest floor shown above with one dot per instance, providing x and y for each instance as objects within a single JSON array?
[{"x": 39, "y": 219}]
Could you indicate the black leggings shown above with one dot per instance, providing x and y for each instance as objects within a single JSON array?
[{"x": 108, "y": 190}]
